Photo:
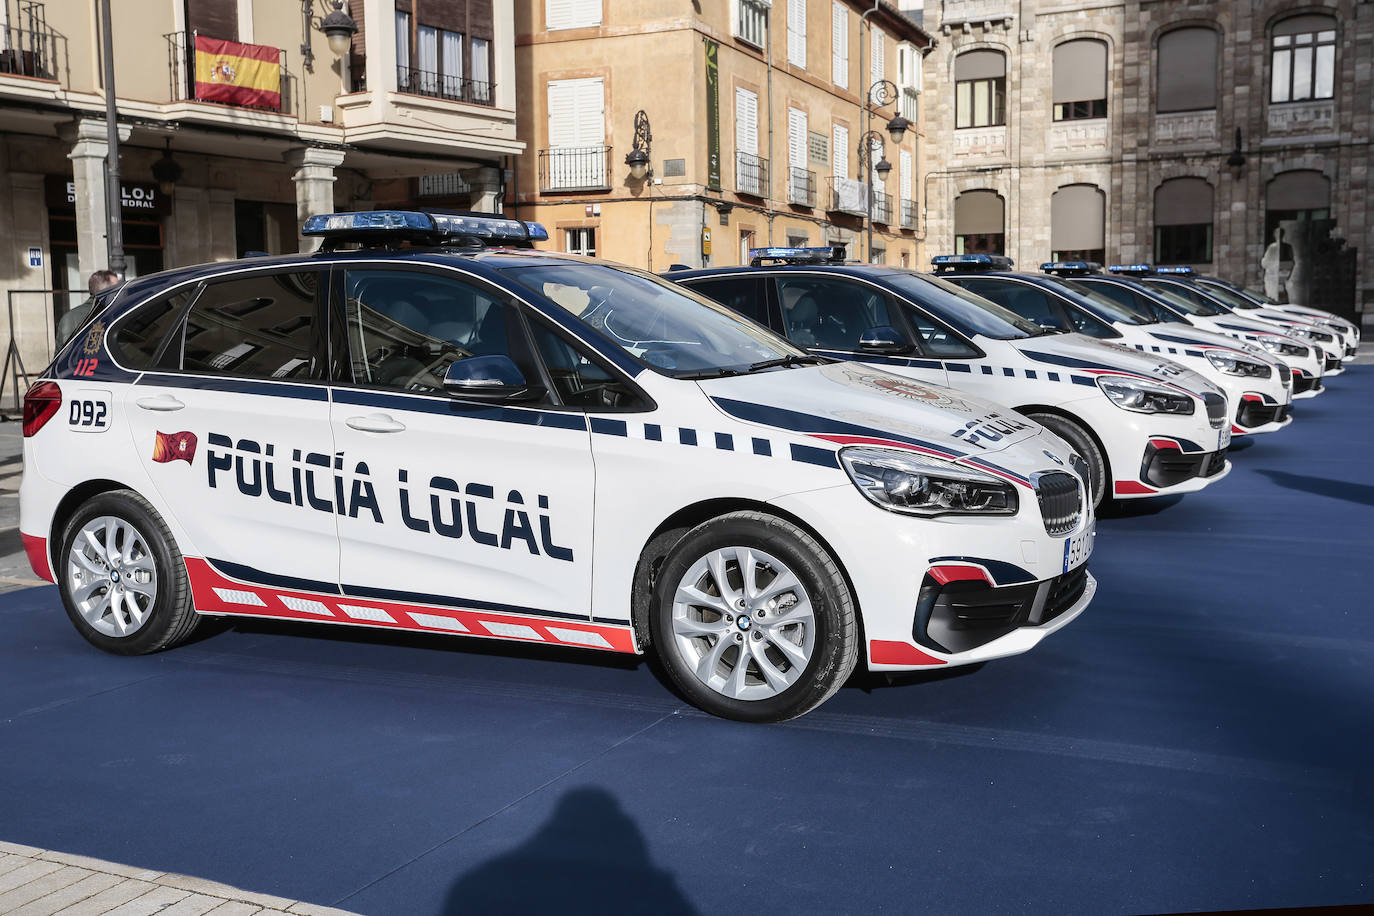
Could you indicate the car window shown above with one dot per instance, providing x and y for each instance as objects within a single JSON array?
[
  {"x": 967, "y": 312},
  {"x": 406, "y": 327},
  {"x": 1124, "y": 312},
  {"x": 938, "y": 340},
  {"x": 744, "y": 294},
  {"x": 1201, "y": 304},
  {"x": 830, "y": 313},
  {"x": 138, "y": 338},
  {"x": 1027, "y": 301},
  {"x": 259, "y": 325},
  {"x": 579, "y": 378},
  {"x": 1230, "y": 297},
  {"x": 666, "y": 327},
  {"x": 1134, "y": 299}
]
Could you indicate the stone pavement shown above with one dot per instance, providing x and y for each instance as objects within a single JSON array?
[{"x": 36, "y": 882}]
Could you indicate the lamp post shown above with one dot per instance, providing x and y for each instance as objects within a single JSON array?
[
  {"x": 336, "y": 25},
  {"x": 638, "y": 158},
  {"x": 881, "y": 93}
]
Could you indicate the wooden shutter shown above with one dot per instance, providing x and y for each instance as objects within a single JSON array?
[
  {"x": 213, "y": 18},
  {"x": 577, "y": 113},
  {"x": 907, "y": 176},
  {"x": 875, "y": 155},
  {"x": 571, "y": 14},
  {"x": 746, "y": 122},
  {"x": 839, "y": 45},
  {"x": 796, "y": 138},
  {"x": 796, "y": 33},
  {"x": 839, "y": 152},
  {"x": 877, "y": 55}
]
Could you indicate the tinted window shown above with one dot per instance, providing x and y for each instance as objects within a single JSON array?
[
  {"x": 1191, "y": 295},
  {"x": 136, "y": 341},
  {"x": 938, "y": 340},
  {"x": 1126, "y": 313},
  {"x": 830, "y": 313},
  {"x": 259, "y": 326},
  {"x": 406, "y": 327},
  {"x": 1130, "y": 298},
  {"x": 1180, "y": 303},
  {"x": 1027, "y": 301},
  {"x": 743, "y": 294},
  {"x": 579, "y": 379},
  {"x": 1230, "y": 297},
  {"x": 966, "y": 312}
]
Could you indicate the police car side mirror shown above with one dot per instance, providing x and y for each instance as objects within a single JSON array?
[
  {"x": 883, "y": 339},
  {"x": 489, "y": 378}
]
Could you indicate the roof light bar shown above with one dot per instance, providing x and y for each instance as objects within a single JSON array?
[
  {"x": 1176, "y": 271},
  {"x": 1139, "y": 270},
  {"x": 971, "y": 262},
  {"x": 1070, "y": 268},
  {"x": 826, "y": 254},
  {"x": 421, "y": 225}
]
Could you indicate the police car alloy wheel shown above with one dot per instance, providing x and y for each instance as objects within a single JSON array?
[
  {"x": 121, "y": 577},
  {"x": 753, "y": 620},
  {"x": 1084, "y": 444}
]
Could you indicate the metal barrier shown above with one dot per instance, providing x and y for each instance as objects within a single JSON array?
[{"x": 16, "y": 374}]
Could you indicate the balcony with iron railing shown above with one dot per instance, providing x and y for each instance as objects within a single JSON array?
[
  {"x": 575, "y": 168},
  {"x": 30, "y": 47},
  {"x": 882, "y": 207},
  {"x": 846, "y": 195},
  {"x": 801, "y": 187},
  {"x": 452, "y": 88},
  {"x": 183, "y": 84},
  {"x": 751, "y": 175},
  {"x": 908, "y": 214}
]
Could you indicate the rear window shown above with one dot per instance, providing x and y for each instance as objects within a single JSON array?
[
  {"x": 968, "y": 313},
  {"x": 139, "y": 337}
]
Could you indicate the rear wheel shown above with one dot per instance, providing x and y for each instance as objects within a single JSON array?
[
  {"x": 122, "y": 578},
  {"x": 1084, "y": 444},
  {"x": 752, "y": 619}
]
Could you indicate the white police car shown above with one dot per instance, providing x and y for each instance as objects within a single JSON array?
[
  {"x": 522, "y": 446},
  {"x": 1349, "y": 330},
  {"x": 1145, "y": 425},
  {"x": 1307, "y": 363}
]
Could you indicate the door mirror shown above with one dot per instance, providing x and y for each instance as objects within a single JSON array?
[
  {"x": 883, "y": 339},
  {"x": 489, "y": 378}
]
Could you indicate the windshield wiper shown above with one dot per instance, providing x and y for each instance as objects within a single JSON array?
[
  {"x": 1047, "y": 330},
  {"x": 791, "y": 360},
  {"x": 709, "y": 373}
]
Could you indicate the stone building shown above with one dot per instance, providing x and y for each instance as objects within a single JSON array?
[
  {"x": 418, "y": 105},
  {"x": 748, "y": 115},
  {"x": 1148, "y": 131}
]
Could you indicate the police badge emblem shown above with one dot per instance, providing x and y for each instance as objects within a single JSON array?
[{"x": 94, "y": 337}]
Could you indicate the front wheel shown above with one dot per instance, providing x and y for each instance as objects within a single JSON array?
[
  {"x": 752, "y": 619},
  {"x": 122, "y": 578},
  {"x": 1084, "y": 444}
]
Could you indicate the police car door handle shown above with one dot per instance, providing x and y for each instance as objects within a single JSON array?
[
  {"x": 375, "y": 423},
  {"x": 162, "y": 402}
]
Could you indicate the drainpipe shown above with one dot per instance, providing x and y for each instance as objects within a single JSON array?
[
  {"x": 114, "y": 209},
  {"x": 768, "y": 53}
]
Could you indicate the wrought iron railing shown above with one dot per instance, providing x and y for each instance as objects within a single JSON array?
[
  {"x": 909, "y": 214},
  {"x": 801, "y": 187},
  {"x": 574, "y": 168},
  {"x": 29, "y": 47},
  {"x": 445, "y": 86},
  {"x": 751, "y": 175},
  {"x": 181, "y": 74}
]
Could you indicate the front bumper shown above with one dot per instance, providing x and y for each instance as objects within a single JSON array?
[
  {"x": 965, "y": 616},
  {"x": 1253, "y": 417},
  {"x": 1167, "y": 470}
]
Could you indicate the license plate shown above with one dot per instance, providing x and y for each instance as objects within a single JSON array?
[
  {"x": 1078, "y": 548},
  {"x": 1225, "y": 438}
]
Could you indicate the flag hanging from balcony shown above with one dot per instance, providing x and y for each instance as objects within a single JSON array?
[{"x": 238, "y": 74}]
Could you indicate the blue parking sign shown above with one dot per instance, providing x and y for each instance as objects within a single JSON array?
[{"x": 35, "y": 257}]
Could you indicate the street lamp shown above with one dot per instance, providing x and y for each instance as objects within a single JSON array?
[
  {"x": 337, "y": 26},
  {"x": 167, "y": 171},
  {"x": 881, "y": 93},
  {"x": 638, "y": 158}
]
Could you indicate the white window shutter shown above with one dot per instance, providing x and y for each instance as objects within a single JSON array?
[
  {"x": 591, "y": 112},
  {"x": 571, "y": 14},
  {"x": 876, "y": 55},
  {"x": 875, "y": 155},
  {"x": 907, "y": 176},
  {"x": 562, "y": 113},
  {"x": 839, "y": 153},
  {"x": 796, "y": 33},
  {"x": 577, "y": 122},
  {"x": 796, "y": 137},
  {"x": 839, "y": 43},
  {"x": 746, "y": 122}
]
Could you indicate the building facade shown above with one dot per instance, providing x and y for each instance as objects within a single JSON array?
[
  {"x": 262, "y": 124},
  {"x": 1151, "y": 131},
  {"x": 750, "y": 116}
]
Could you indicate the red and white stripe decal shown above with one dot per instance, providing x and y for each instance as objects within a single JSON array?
[
  {"x": 892, "y": 652},
  {"x": 1162, "y": 444},
  {"x": 215, "y": 593},
  {"x": 1132, "y": 488},
  {"x": 946, "y": 573},
  {"x": 37, "y": 549}
]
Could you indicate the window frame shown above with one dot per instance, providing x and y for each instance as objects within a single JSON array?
[
  {"x": 1290, "y": 48},
  {"x": 751, "y": 22},
  {"x": 997, "y": 102}
]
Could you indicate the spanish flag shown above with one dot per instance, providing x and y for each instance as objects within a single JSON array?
[{"x": 237, "y": 74}]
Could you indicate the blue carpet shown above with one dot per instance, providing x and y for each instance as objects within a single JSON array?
[{"x": 1200, "y": 739}]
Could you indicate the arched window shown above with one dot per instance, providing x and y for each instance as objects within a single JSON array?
[
  {"x": 1078, "y": 223},
  {"x": 980, "y": 89},
  {"x": 1183, "y": 222},
  {"x": 1186, "y": 72},
  {"x": 979, "y": 223},
  {"x": 1080, "y": 79},
  {"x": 1304, "y": 59},
  {"x": 1300, "y": 194}
]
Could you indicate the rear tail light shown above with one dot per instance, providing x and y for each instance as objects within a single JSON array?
[{"x": 41, "y": 402}]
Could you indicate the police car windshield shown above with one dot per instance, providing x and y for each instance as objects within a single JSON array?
[
  {"x": 665, "y": 326},
  {"x": 1180, "y": 303},
  {"x": 1106, "y": 307},
  {"x": 1229, "y": 296},
  {"x": 1198, "y": 304},
  {"x": 968, "y": 313}
]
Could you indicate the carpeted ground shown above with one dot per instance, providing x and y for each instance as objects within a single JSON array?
[{"x": 1202, "y": 738}]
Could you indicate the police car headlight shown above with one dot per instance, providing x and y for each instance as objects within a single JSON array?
[
  {"x": 1279, "y": 345},
  {"x": 1235, "y": 365},
  {"x": 1142, "y": 396},
  {"x": 917, "y": 485}
]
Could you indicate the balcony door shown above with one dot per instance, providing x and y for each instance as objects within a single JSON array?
[{"x": 577, "y": 134}]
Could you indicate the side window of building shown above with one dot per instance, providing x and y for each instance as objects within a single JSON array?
[
  {"x": 1080, "y": 80},
  {"x": 138, "y": 340},
  {"x": 571, "y": 14},
  {"x": 745, "y": 295},
  {"x": 579, "y": 379},
  {"x": 406, "y": 327},
  {"x": 980, "y": 89},
  {"x": 1183, "y": 221},
  {"x": 263, "y": 325},
  {"x": 979, "y": 223},
  {"x": 831, "y": 314},
  {"x": 1304, "y": 59},
  {"x": 1186, "y": 70}
]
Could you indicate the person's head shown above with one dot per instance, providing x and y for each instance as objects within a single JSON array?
[{"x": 101, "y": 280}]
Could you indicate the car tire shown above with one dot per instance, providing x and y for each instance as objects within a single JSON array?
[
  {"x": 782, "y": 653},
  {"x": 1083, "y": 443},
  {"x": 135, "y": 600}
]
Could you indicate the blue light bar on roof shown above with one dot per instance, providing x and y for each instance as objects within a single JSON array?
[
  {"x": 1069, "y": 268},
  {"x": 1177, "y": 271},
  {"x": 1137, "y": 269},
  {"x": 973, "y": 261},
  {"x": 823, "y": 254},
  {"x": 432, "y": 226}
]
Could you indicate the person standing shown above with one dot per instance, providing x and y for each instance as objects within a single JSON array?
[{"x": 69, "y": 323}]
